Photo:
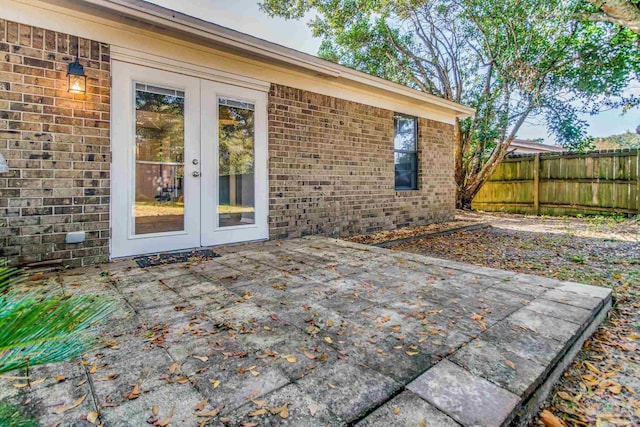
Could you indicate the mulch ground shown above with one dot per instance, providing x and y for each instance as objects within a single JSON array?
[
  {"x": 601, "y": 387},
  {"x": 406, "y": 232}
]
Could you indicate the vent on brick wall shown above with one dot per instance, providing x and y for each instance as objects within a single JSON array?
[{"x": 4, "y": 167}]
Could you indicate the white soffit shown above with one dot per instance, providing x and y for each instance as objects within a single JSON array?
[{"x": 151, "y": 29}]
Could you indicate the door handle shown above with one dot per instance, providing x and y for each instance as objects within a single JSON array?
[{"x": 195, "y": 173}]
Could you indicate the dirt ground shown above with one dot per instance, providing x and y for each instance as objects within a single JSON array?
[{"x": 601, "y": 386}]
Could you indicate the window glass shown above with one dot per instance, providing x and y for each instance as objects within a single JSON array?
[{"x": 405, "y": 142}]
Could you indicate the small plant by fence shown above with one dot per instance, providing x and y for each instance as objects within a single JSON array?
[{"x": 606, "y": 181}]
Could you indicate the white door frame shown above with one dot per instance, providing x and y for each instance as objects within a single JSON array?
[
  {"x": 201, "y": 136},
  {"x": 123, "y": 240},
  {"x": 212, "y": 233}
]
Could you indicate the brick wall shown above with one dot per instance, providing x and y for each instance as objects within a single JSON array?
[
  {"x": 57, "y": 147},
  {"x": 331, "y": 165},
  {"x": 331, "y": 168}
]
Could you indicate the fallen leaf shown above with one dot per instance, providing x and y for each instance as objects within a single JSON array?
[
  {"x": 313, "y": 409},
  {"x": 201, "y": 358},
  {"x": 411, "y": 353},
  {"x": 291, "y": 359},
  {"x": 396, "y": 411},
  {"x": 309, "y": 355},
  {"x": 108, "y": 377},
  {"x": 201, "y": 405},
  {"x": 60, "y": 378},
  {"x": 214, "y": 383},
  {"x": 328, "y": 339},
  {"x": 511, "y": 364},
  {"x": 257, "y": 413},
  {"x": 75, "y": 404},
  {"x": 284, "y": 414},
  {"x": 173, "y": 368},
  {"x": 211, "y": 413},
  {"x": 134, "y": 393},
  {"x": 565, "y": 396},
  {"x": 93, "y": 369},
  {"x": 259, "y": 403},
  {"x": 423, "y": 423},
  {"x": 155, "y": 410},
  {"x": 92, "y": 417},
  {"x": 165, "y": 421},
  {"x": 590, "y": 367},
  {"x": 551, "y": 420}
]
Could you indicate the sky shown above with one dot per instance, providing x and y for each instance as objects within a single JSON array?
[{"x": 246, "y": 16}]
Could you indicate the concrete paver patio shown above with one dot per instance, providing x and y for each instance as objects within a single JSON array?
[{"x": 338, "y": 333}]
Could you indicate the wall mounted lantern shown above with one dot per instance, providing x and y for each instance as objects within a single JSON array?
[{"x": 77, "y": 80}]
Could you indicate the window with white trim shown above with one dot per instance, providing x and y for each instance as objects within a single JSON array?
[{"x": 405, "y": 145}]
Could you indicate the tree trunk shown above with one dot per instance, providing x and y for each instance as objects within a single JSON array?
[{"x": 621, "y": 12}]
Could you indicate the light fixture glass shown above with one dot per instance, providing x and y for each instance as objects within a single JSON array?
[{"x": 76, "y": 79}]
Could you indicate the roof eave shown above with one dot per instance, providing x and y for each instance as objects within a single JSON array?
[{"x": 158, "y": 15}]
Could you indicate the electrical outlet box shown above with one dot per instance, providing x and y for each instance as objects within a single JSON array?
[{"x": 76, "y": 237}]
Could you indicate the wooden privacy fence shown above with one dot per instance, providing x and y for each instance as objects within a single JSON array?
[{"x": 564, "y": 184}]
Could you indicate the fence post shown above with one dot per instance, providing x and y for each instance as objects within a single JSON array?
[
  {"x": 536, "y": 183},
  {"x": 638, "y": 181}
]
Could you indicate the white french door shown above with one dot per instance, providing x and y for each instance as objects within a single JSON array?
[{"x": 189, "y": 163}]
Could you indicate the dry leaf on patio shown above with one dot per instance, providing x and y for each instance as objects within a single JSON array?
[
  {"x": 411, "y": 353},
  {"x": 551, "y": 420},
  {"x": 93, "y": 369},
  {"x": 396, "y": 410},
  {"x": 214, "y": 383},
  {"x": 511, "y": 364},
  {"x": 283, "y": 410},
  {"x": 134, "y": 393},
  {"x": 75, "y": 404},
  {"x": 36, "y": 382},
  {"x": 201, "y": 405},
  {"x": 423, "y": 423},
  {"x": 564, "y": 395},
  {"x": 60, "y": 378},
  {"x": 259, "y": 403},
  {"x": 165, "y": 421},
  {"x": 155, "y": 410},
  {"x": 108, "y": 377},
  {"x": 92, "y": 417},
  {"x": 211, "y": 413},
  {"x": 173, "y": 368},
  {"x": 257, "y": 413},
  {"x": 309, "y": 355},
  {"x": 590, "y": 367},
  {"x": 20, "y": 385},
  {"x": 201, "y": 358},
  {"x": 313, "y": 409},
  {"x": 291, "y": 359}
]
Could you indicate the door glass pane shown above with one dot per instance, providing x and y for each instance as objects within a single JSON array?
[
  {"x": 236, "y": 204},
  {"x": 159, "y": 202}
]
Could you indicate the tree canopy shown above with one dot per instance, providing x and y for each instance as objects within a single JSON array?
[{"x": 511, "y": 60}]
